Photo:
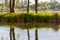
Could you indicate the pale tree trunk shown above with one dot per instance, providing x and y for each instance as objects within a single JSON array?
[
  {"x": 6, "y": 3},
  {"x": 13, "y": 5}
]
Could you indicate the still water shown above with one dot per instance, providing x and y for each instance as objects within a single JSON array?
[{"x": 43, "y": 34}]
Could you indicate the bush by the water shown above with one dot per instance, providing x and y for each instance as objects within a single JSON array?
[{"x": 28, "y": 17}]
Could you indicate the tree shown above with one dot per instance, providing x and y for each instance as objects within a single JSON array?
[
  {"x": 12, "y": 34},
  {"x": 27, "y": 12},
  {"x": 12, "y": 4},
  {"x": 6, "y": 3},
  {"x": 17, "y": 5},
  {"x": 22, "y": 1},
  {"x": 53, "y": 0},
  {"x": 36, "y": 5},
  {"x": 28, "y": 7},
  {"x": 36, "y": 31}
]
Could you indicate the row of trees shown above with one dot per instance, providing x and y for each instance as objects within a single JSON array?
[
  {"x": 12, "y": 34},
  {"x": 41, "y": 6},
  {"x": 53, "y": 5}
]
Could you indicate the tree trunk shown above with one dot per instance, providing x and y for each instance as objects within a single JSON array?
[
  {"x": 28, "y": 35},
  {"x": 12, "y": 34},
  {"x": 36, "y": 5},
  {"x": 36, "y": 34},
  {"x": 12, "y": 4},
  {"x": 36, "y": 31},
  {"x": 28, "y": 6},
  {"x": 6, "y": 3}
]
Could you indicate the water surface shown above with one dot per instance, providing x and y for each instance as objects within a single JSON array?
[{"x": 43, "y": 34}]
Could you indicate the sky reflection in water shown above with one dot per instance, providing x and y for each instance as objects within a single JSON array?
[{"x": 44, "y": 34}]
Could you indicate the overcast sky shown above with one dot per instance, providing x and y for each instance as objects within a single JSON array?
[
  {"x": 38, "y": 1},
  {"x": 43, "y": 1}
]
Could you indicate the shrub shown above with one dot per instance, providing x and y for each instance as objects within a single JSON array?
[{"x": 11, "y": 18}]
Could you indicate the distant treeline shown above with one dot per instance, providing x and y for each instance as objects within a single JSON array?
[{"x": 42, "y": 6}]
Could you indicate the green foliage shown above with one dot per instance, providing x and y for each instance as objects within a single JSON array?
[
  {"x": 10, "y": 18},
  {"x": 26, "y": 17},
  {"x": 1, "y": 15},
  {"x": 30, "y": 20}
]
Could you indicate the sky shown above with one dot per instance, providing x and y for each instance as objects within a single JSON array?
[
  {"x": 43, "y": 1},
  {"x": 39, "y": 1}
]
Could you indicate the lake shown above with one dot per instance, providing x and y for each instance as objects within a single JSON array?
[{"x": 43, "y": 34}]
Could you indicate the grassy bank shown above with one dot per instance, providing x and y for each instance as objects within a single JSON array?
[
  {"x": 29, "y": 17},
  {"x": 30, "y": 20}
]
